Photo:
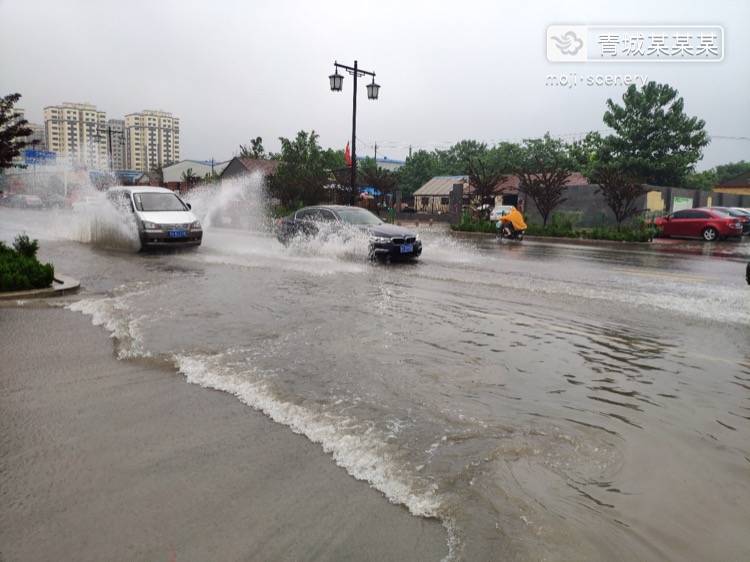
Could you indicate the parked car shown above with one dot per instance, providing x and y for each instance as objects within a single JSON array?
[
  {"x": 499, "y": 211},
  {"x": 387, "y": 241},
  {"x": 740, "y": 214},
  {"x": 163, "y": 218},
  {"x": 23, "y": 201},
  {"x": 53, "y": 201},
  {"x": 85, "y": 204},
  {"x": 707, "y": 223}
]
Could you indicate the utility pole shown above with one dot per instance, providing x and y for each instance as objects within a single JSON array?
[
  {"x": 352, "y": 196},
  {"x": 409, "y": 151},
  {"x": 109, "y": 145},
  {"x": 376, "y": 152}
]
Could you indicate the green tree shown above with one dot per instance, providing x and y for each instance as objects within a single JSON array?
[
  {"x": 254, "y": 150},
  {"x": 304, "y": 170},
  {"x": 705, "y": 180},
  {"x": 370, "y": 174},
  {"x": 189, "y": 177},
  {"x": 653, "y": 136},
  {"x": 543, "y": 166},
  {"x": 419, "y": 167},
  {"x": 484, "y": 174},
  {"x": 731, "y": 170},
  {"x": 708, "y": 179},
  {"x": 620, "y": 186},
  {"x": 455, "y": 160},
  {"x": 14, "y": 133},
  {"x": 157, "y": 173}
]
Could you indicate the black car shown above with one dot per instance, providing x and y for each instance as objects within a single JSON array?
[
  {"x": 740, "y": 214},
  {"x": 387, "y": 241}
]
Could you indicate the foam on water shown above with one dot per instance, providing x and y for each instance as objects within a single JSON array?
[
  {"x": 113, "y": 313},
  {"x": 96, "y": 221},
  {"x": 363, "y": 452},
  {"x": 237, "y": 202},
  {"x": 364, "y": 455}
]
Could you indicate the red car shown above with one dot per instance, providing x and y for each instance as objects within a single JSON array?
[{"x": 709, "y": 224}]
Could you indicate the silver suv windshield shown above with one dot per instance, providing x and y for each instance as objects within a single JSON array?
[{"x": 158, "y": 202}]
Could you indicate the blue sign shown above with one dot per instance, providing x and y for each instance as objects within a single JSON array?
[{"x": 31, "y": 156}]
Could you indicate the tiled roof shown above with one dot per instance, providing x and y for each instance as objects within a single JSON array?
[
  {"x": 512, "y": 183},
  {"x": 743, "y": 180},
  {"x": 264, "y": 166},
  {"x": 441, "y": 185}
]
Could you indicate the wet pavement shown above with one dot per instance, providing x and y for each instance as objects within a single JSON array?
[{"x": 544, "y": 400}]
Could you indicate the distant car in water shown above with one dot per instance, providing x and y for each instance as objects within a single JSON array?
[
  {"x": 386, "y": 241},
  {"x": 85, "y": 204},
  {"x": 709, "y": 224},
  {"x": 23, "y": 201},
  {"x": 163, "y": 218},
  {"x": 53, "y": 201},
  {"x": 740, "y": 214}
]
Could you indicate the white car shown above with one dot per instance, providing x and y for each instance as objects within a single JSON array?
[
  {"x": 499, "y": 211},
  {"x": 163, "y": 218}
]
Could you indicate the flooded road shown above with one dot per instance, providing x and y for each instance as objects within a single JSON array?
[{"x": 543, "y": 400}]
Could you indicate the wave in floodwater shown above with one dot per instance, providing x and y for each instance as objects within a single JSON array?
[
  {"x": 365, "y": 453},
  {"x": 454, "y": 468}
]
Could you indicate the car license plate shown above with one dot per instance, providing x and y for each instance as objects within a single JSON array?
[
  {"x": 178, "y": 233},
  {"x": 407, "y": 248}
]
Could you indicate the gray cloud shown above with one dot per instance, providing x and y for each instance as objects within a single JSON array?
[{"x": 231, "y": 70}]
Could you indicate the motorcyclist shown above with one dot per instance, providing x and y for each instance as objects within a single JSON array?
[{"x": 510, "y": 224}]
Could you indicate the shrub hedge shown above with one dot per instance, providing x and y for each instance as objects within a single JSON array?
[{"x": 20, "y": 269}]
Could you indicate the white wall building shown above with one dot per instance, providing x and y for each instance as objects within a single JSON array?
[
  {"x": 152, "y": 139},
  {"x": 77, "y": 131},
  {"x": 116, "y": 140},
  {"x": 199, "y": 168}
]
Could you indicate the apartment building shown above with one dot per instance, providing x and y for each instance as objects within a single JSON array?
[
  {"x": 36, "y": 136},
  {"x": 152, "y": 139},
  {"x": 77, "y": 131},
  {"x": 116, "y": 140}
]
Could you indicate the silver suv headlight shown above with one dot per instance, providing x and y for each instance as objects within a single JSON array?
[
  {"x": 151, "y": 225},
  {"x": 195, "y": 225}
]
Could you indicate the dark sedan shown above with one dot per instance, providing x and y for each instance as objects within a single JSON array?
[
  {"x": 740, "y": 214},
  {"x": 387, "y": 241}
]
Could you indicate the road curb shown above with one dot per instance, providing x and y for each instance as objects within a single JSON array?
[{"x": 61, "y": 285}]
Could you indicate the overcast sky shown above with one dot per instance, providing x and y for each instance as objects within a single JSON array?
[{"x": 448, "y": 70}]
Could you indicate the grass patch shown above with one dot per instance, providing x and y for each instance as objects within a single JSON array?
[
  {"x": 471, "y": 224},
  {"x": 20, "y": 270},
  {"x": 561, "y": 226}
]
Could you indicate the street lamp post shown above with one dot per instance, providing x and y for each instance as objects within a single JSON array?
[{"x": 373, "y": 89}]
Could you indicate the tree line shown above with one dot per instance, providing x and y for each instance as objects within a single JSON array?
[{"x": 651, "y": 141}]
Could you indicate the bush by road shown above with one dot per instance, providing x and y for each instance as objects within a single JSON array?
[{"x": 20, "y": 270}]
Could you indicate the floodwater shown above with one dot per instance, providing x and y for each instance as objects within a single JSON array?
[{"x": 542, "y": 400}]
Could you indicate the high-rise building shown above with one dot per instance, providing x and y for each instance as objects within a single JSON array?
[
  {"x": 116, "y": 140},
  {"x": 152, "y": 139},
  {"x": 36, "y": 136},
  {"x": 77, "y": 131}
]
